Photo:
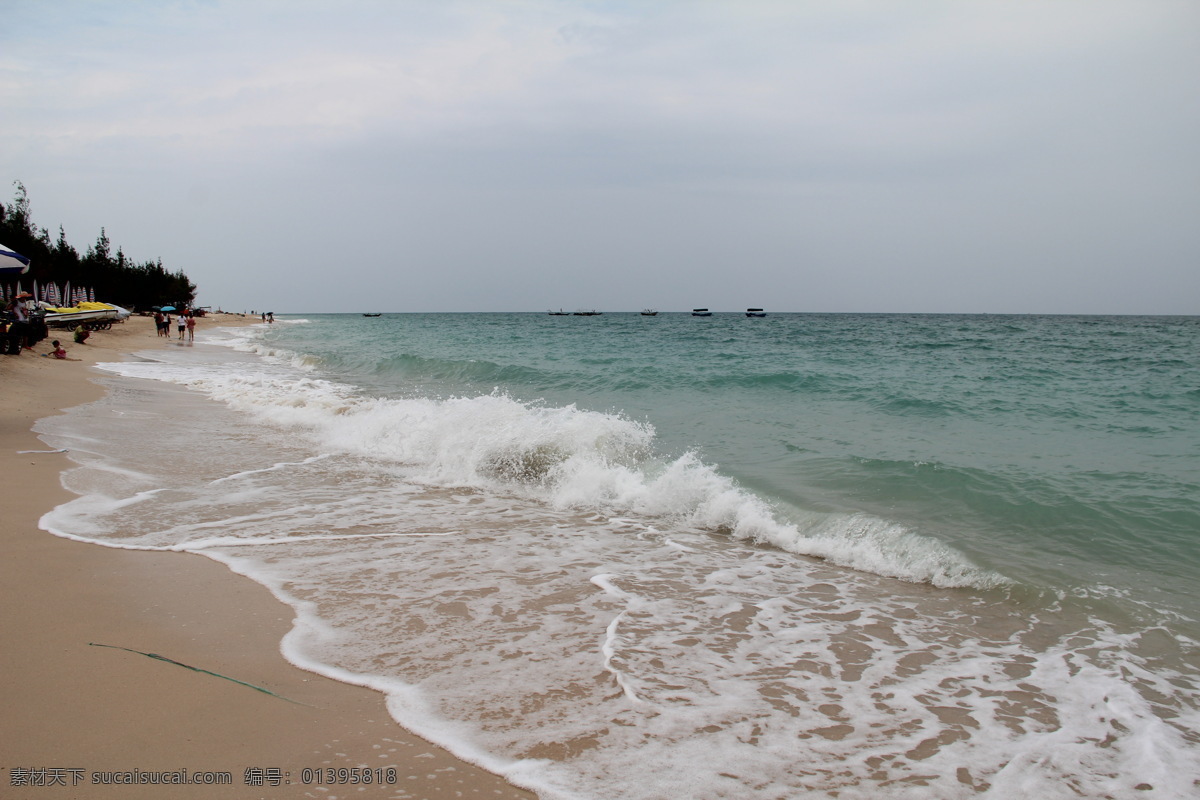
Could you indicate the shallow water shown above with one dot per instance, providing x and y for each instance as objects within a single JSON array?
[{"x": 807, "y": 555}]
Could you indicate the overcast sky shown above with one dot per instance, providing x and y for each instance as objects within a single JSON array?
[{"x": 1019, "y": 156}]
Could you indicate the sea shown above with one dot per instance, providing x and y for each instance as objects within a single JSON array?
[{"x": 649, "y": 557}]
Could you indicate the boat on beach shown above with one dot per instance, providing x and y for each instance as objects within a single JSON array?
[{"x": 90, "y": 315}]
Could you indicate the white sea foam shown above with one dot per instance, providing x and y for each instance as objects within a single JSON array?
[{"x": 566, "y": 457}]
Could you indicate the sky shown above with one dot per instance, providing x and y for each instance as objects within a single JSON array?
[{"x": 958, "y": 156}]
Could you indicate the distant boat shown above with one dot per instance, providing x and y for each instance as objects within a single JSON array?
[
  {"x": 592, "y": 313},
  {"x": 755, "y": 312},
  {"x": 372, "y": 315},
  {"x": 701, "y": 312},
  {"x": 649, "y": 312},
  {"x": 560, "y": 313}
]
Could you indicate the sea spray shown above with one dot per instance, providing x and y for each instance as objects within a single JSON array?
[{"x": 569, "y": 458}]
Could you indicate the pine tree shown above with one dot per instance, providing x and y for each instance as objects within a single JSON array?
[{"x": 118, "y": 280}]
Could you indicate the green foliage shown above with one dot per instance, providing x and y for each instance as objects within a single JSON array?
[{"x": 116, "y": 279}]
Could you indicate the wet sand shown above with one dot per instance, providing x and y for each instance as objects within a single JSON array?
[{"x": 76, "y": 715}]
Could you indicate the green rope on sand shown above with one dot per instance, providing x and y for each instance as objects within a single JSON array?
[{"x": 157, "y": 657}]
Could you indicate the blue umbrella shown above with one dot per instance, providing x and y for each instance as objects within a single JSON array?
[
  {"x": 167, "y": 308},
  {"x": 12, "y": 263}
]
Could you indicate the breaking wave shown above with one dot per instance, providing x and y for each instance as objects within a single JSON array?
[{"x": 567, "y": 458}]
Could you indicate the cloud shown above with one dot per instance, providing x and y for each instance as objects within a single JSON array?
[{"x": 948, "y": 142}]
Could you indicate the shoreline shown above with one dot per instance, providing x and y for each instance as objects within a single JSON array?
[{"x": 78, "y": 718}]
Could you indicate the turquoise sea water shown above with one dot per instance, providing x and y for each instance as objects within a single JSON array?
[
  {"x": 1063, "y": 452},
  {"x": 805, "y": 555}
]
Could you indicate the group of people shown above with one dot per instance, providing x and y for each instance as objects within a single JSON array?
[
  {"x": 21, "y": 330},
  {"x": 185, "y": 322}
]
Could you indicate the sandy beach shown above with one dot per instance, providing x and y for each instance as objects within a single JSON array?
[{"x": 88, "y": 721}]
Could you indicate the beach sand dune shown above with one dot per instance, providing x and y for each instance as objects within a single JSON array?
[{"x": 79, "y": 720}]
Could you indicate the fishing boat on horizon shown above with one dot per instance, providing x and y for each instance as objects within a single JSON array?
[
  {"x": 701, "y": 312},
  {"x": 755, "y": 312}
]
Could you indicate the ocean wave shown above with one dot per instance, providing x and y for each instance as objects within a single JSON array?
[
  {"x": 629, "y": 376},
  {"x": 816, "y": 383},
  {"x": 901, "y": 405},
  {"x": 414, "y": 367},
  {"x": 567, "y": 458},
  {"x": 250, "y": 340}
]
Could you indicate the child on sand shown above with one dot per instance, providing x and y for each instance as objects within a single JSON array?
[{"x": 59, "y": 352}]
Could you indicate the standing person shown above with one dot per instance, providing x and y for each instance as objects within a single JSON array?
[
  {"x": 181, "y": 323},
  {"x": 158, "y": 323},
  {"x": 18, "y": 326},
  {"x": 191, "y": 327}
]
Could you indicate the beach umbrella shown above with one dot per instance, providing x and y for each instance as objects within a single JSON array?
[
  {"x": 12, "y": 263},
  {"x": 167, "y": 308}
]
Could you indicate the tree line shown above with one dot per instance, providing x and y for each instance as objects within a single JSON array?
[{"x": 114, "y": 277}]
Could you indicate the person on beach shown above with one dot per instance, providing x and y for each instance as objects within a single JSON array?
[
  {"x": 191, "y": 327},
  {"x": 18, "y": 326},
  {"x": 81, "y": 334},
  {"x": 59, "y": 352},
  {"x": 181, "y": 323},
  {"x": 159, "y": 323}
]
